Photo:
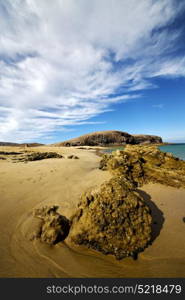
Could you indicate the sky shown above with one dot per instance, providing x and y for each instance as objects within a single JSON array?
[{"x": 69, "y": 67}]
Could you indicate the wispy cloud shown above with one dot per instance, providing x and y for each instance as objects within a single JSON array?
[
  {"x": 63, "y": 62},
  {"x": 160, "y": 106}
]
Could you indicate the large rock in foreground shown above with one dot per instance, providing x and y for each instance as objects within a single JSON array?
[
  {"x": 147, "y": 139},
  {"x": 106, "y": 138},
  {"x": 53, "y": 227},
  {"x": 114, "y": 220}
]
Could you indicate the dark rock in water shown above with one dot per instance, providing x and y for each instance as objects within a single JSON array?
[
  {"x": 54, "y": 227},
  {"x": 33, "y": 156},
  {"x": 111, "y": 137},
  {"x": 113, "y": 220},
  {"x": 183, "y": 219},
  {"x": 143, "y": 164}
]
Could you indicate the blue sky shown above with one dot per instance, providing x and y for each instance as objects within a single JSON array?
[{"x": 68, "y": 67}]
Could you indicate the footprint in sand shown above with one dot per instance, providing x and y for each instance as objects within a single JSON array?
[{"x": 29, "y": 178}]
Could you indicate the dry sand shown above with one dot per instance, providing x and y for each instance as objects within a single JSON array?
[{"x": 25, "y": 186}]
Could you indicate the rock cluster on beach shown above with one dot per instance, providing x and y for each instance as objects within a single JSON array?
[
  {"x": 144, "y": 164},
  {"x": 20, "y": 145},
  {"x": 41, "y": 155},
  {"x": 111, "y": 137},
  {"x": 27, "y": 156},
  {"x": 72, "y": 157},
  {"x": 114, "y": 218}
]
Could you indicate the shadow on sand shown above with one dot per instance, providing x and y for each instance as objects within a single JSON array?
[{"x": 157, "y": 215}]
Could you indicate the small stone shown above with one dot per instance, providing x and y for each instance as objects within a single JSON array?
[
  {"x": 72, "y": 157},
  {"x": 54, "y": 227}
]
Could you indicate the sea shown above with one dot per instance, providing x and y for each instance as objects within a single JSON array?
[{"x": 177, "y": 150}]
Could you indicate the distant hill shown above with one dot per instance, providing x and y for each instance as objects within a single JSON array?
[
  {"x": 20, "y": 145},
  {"x": 8, "y": 144},
  {"x": 113, "y": 137}
]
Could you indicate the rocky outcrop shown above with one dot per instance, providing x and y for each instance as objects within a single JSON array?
[
  {"x": 143, "y": 164},
  {"x": 72, "y": 157},
  {"x": 113, "y": 220},
  {"x": 27, "y": 156},
  {"x": 147, "y": 139},
  {"x": 106, "y": 138},
  {"x": 8, "y": 144},
  {"x": 53, "y": 227}
]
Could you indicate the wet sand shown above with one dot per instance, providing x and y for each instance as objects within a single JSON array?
[{"x": 25, "y": 186}]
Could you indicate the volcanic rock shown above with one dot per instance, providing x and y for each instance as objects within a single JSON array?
[
  {"x": 72, "y": 157},
  {"x": 113, "y": 220},
  {"x": 54, "y": 227},
  {"x": 144, "y": 164}
]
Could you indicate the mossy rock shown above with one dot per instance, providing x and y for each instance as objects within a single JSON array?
[
  {"x": 114, "y": 220},
  {"x": 143, "y": 164}
]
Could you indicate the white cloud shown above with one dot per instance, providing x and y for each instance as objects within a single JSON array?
[
  {"x": 63, "y": 61},
  {"x": 160, "y": 106}
]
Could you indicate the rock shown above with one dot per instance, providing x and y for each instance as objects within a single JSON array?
[
  {"x": 42, "y": 155},
  {"x": 10, "y": 153},
  {"x": 143, "y": 164},
  {"x": 33, "y": 156},
  {"x": 113, "y": 220},
  {"x": 72, "y": 157},
  {"x": 20, "y": 145},
  {"x": 106, "y": 138},
  {"x": 54, "y": 227}
]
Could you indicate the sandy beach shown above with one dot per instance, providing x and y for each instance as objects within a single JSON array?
[{"x": 26, "y": 186}]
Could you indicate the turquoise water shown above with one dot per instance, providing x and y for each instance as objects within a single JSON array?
[{"x": 177, "y": 150}]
